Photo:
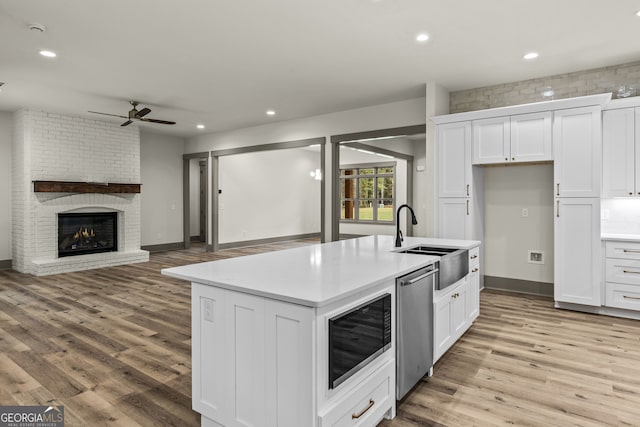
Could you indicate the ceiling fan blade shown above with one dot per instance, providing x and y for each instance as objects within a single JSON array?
[
  {"x": 107, "y": 114},
  {"x": 164, "y": 122},
  {"x": 127, "y": 123},
  {"x": 143, "y": 112}
]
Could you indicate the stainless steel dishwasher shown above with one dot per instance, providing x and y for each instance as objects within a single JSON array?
[{"x": 414, "y": 327}]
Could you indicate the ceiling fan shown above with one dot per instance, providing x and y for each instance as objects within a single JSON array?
[{"x": 134, "y": 114}]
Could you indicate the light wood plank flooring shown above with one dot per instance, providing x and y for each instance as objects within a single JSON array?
[{"x": 113, "y": 346}]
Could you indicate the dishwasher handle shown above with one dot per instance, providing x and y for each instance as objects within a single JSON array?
[{"x": 417, "y": 279}]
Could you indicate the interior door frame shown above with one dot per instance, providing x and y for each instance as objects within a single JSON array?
[
  {"x": 215, "y": 178},
  {"x": 186, "y": 195},
  {"x": 343, "y": 139}
]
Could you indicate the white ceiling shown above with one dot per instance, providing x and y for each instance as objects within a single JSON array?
[{"x": 224, "y": 63}]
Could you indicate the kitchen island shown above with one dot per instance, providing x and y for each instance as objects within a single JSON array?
[{"x": 260, "y": 338}]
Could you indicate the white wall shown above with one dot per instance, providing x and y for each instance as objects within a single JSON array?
[
  {"x": 161, "y": 198},
  {"x": 268, "y": 194},
  {"x": 6, "y": 126},
  {"x": 395, "y": 114},
  {"x": 352, "y": 157},
  {"x": 509, "y": 235}
]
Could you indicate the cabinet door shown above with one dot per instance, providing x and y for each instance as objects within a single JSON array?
[
  {"x": 618, "y": 153},
  {"x": 531, "y": 137},
  {"x": 454, "y": 159},
  {"x": 245, "y": 350},
  {"x": 473, "y": 297},
  {"x": 442, "y": 334},
  {"x": 577, "y": 148},
  {"x": 208, "y": 352},
  {"x": 454, "y": 218},
  {"x": 491, "y": 140},
  {"x": 577, "y": 251},
  {"x": 459, "y": 304},
  {"x": 289, "y": 359}
]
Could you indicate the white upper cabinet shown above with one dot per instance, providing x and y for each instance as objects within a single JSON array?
[
  {"x": 509, "y": 139},
  {"x": 620, "y": 153},
  {"x": 491, "y": 140},
  {"x": 577, "y": 146},
  {"x": 454, "y": 159},
  {"x": 531, "y": 137}
]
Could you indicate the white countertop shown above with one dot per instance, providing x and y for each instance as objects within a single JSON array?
[
  {"x": 315, "y": 275},
  {"x": 622, "y": 237}
]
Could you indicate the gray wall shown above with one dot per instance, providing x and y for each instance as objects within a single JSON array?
[
  {"x": 579, "y": 83},
  {"x": 161, "y": 195},
  {"x": 508, "y": 235}
]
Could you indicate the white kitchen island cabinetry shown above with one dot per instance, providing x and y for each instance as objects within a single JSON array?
[
  {"x": 512, "y": 139},
  {"x": 260, "y": 332},
  {"x": 252, "y": 354},
  {"x": 620, "y": 152}
]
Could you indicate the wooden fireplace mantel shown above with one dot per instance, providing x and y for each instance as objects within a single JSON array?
[{"x": 84, "y": 187}]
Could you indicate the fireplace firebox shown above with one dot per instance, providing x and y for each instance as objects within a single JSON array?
[{"x": 87, "y": 233}]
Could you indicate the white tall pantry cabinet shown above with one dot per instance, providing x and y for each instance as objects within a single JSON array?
[
  {"x": 567, "y": 132},
  {"x": 577, "y": 142}
]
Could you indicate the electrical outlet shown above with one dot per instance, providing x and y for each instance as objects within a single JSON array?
[
  {"x": 525, "y": 212},
  {"x": 207, "y": 309},
  {"x": 535, "y": 257}
]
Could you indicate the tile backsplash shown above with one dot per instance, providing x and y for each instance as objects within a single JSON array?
[{"x": 620, "y": 216}]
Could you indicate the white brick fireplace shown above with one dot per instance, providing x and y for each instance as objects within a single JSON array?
[{"x": 54, "y": 147}]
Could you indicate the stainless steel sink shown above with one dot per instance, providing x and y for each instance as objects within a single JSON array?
[{"x": 454, "y": 262}]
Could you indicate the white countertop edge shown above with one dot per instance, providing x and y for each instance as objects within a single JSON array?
[{"x": 623, "y": 237}]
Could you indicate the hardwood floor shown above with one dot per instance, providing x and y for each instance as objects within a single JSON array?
[{"x": 113, "y": 346}]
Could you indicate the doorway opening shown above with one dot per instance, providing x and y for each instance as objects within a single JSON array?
[{"x": 373, "y": 174}]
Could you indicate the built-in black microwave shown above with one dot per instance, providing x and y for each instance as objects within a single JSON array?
[{"x": 358, "y": 336}]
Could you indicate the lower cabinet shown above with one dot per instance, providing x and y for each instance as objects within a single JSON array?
[
  {"x": 622, "y": 275},
  {"x": 252, "y": 359},
  {"x": 367, "y": 403},
  {"x": 450, "y": 316},
  {"x": 260, "y": 362},
  {"x": 577, "y": 251},
  {"x": 456, "y": 307}
]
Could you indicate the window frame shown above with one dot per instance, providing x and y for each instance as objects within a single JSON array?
[{"x": 376, "y": 200}]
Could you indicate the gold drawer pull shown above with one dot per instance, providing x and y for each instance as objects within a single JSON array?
[
  {"x": 356, "y": 416},
  {"x": 632, "y": 251},
  {"x": 474, "y": 256},
  {"x": 474, "y": 270},
  {"x": 632, "y": 272},
  {"x": 628, "y": 297}
]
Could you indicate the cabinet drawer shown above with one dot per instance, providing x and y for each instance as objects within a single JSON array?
[
  {"x": 622, "y": 296},
  {"x": 367, "y": 403},
  {"x": 622, "y": 271},
  {"x": 474, "y": 257},
  {"x": 625, "y": 250}
]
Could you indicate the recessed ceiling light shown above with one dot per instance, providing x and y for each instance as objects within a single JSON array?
[
  {"x": 423, "y": 37},
  {"x": 531, "y": 55},
  {"x": 48, "y": 53},
  {"x": 200, "y": 126},
  {"x": 271, "y": 113},
  {"x": 638, "y": 13}
]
